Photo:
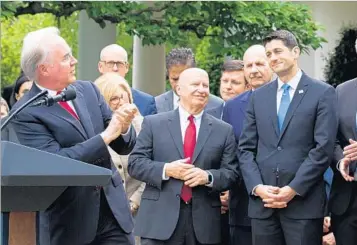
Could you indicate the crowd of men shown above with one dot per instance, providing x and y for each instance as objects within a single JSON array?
[{"x": 251, "y": 167}]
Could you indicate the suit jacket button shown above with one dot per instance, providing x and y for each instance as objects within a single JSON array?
[
  {"x": 178, "y": 196},
  {"x": 120, "y": 166},
  {"x": 279, "y": 148}
]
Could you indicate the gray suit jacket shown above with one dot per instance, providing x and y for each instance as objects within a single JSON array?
[
  {"x": 341, "y": 190},
  {"x": 160, "y": 142},
  {"x": 73, "y": 217},
  {"x": 164, "y": 102},
  {"x": 298, "y": 156}
]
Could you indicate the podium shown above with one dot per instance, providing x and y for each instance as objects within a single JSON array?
[{"x": 31, "y": 180}]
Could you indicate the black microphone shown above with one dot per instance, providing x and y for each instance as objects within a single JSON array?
[{"x": 65, "y": 95}]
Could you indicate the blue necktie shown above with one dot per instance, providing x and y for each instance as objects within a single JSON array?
[{"x": 284, "y": 105}]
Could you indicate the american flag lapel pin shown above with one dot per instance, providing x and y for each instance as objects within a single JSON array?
[{"x": 301, "y": 91}]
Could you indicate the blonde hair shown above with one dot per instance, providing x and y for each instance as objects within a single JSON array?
[
  {"x": 111, "y": 83},
  {"x": 4, "y": 103}
]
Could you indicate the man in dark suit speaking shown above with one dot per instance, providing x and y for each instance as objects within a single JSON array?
[
  {"x": 80, "y": 129},
  {"x": 286, "y": 146},
  {"x": 186, "y": 157}
]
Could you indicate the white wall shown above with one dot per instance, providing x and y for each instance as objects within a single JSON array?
[{"x": 333, "y": 16}]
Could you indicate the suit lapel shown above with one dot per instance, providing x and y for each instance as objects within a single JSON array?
[
  {"x": 203, "y": 134},
  {"x": 83, "y": 113},
  {"x": 175, "y": 131},
  {"x": 61, "y": 113},
  {"x": 271, "y": 105},
  {"x": 302, "y": 86}
]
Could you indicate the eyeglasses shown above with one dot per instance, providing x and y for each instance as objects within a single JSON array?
[{"x": 119, "y": 64}]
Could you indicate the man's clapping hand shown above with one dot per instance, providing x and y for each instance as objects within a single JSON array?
[{"x": 120, "y": 122}]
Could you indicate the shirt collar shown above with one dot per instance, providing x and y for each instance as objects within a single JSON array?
[
  {"x": 50, "y": 92},
  {"x": 184, "y": 114},
  {"x": 293, "y": 82}
]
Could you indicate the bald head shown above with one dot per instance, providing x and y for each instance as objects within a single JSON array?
[
  {"x": 119, "y": 52},
  {"x": 193, "y": 90},
  {"x": 113, "y": 58},
  {"x": 190, "y": 73},
  {"x": 256, "y": 66}
]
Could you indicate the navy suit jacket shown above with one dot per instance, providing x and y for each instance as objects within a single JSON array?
[
  {"x": 73, "y": 217},
  {"x": 296, "y": 156},
  {"x": 233, "y": 113},
  {"x": 145, "y": 102}
]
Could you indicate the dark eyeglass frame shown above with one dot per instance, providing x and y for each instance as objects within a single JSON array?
[{"x": 111, "y": 63}]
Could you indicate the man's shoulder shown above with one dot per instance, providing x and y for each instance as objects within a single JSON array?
[
  {"x": 243, "y": 97},
  {"x": 217, "y": 123},
  {"x": 141, "y": 94},
  {"x": 347, "y": 85},
  {"x": 160, "y": 116},
  {"x": 163, "y": 95}
]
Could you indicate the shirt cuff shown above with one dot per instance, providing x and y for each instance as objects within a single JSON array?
[
  {"x": 127, "y": 132},
  {"x": 164, "y": 177},
  {"x": 253, "y": 191},
  {"x": 210, "y": 184},
  {"x": 338, "y": 165}
]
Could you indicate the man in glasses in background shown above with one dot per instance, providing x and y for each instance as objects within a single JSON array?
[{"x": 114, "y": 58}]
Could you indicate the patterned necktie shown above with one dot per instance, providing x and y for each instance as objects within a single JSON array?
[
  {"x": 188, "y": 148},
  {"x": 284, "y": 105},
  {"x": 66, "y": 106}
]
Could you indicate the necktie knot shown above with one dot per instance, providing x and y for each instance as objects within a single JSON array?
[
  {"x": 190, "y": 118},
  {"x": 286, "y": 87}
]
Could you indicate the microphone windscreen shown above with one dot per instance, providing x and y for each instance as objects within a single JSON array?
[{"x": 70, "y": 94}]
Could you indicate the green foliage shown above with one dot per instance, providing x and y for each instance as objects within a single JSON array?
[
  {"x": 342, "y": 62},
  {"x": 214, "y": 29},
  {"x": 13, "y": 30}
]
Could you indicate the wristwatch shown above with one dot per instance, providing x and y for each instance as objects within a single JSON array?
[{"x": 210, "y": 178}]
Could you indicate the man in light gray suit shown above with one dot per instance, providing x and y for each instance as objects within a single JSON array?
[
  {"x": 178, "y": 60},
  {"x": 186, "y": 157},
  {"x": 286, "y": 145}
]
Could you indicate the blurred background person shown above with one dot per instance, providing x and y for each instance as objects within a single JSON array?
[
  {"x": 232, "y": 84},
  {"x": 4, "y": 108},
  {"x": 257, "y": 73},
  {"x": 114, "y": 58},
  {"x": 178, "y": 60},
  {"x": 116, "y": 92},
  {"x": 22, "y": 85}
]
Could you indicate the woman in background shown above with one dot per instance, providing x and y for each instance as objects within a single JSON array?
[{"x": 117, "y": 92}]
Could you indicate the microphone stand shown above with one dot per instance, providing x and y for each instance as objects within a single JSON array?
[{"x": 44, "y": 92}]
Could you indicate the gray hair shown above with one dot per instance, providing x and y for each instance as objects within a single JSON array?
[{"x": 35, "y": 49}]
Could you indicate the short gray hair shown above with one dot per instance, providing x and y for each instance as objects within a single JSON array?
[{"x": 35, "y": 49}]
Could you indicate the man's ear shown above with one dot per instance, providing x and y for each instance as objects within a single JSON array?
[
  {"x": 296, "y": 52},
  {"x": 100, "y": 67},
  {"x": 127, "y": 66},
  {"x": 43, "y": 70}
]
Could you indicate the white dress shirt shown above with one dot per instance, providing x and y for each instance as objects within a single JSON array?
[
  {"x": 176, "y": 100},
  {"x": 184, "y": 122},
  {"x": 294, "y": 82},
  {"x": 54, "y": 93}
]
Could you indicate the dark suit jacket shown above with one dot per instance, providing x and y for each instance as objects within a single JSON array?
[
  {"x": 164, "y": 102},
  {"x": 73, "y": 217},
  {"x": 145, "y": 102},
  {"x": 342, "y": 190},
  {"x": 298, "y": 156},
  {"x": 233, "y": 113},
  {"x": 160, "y": 142}
]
